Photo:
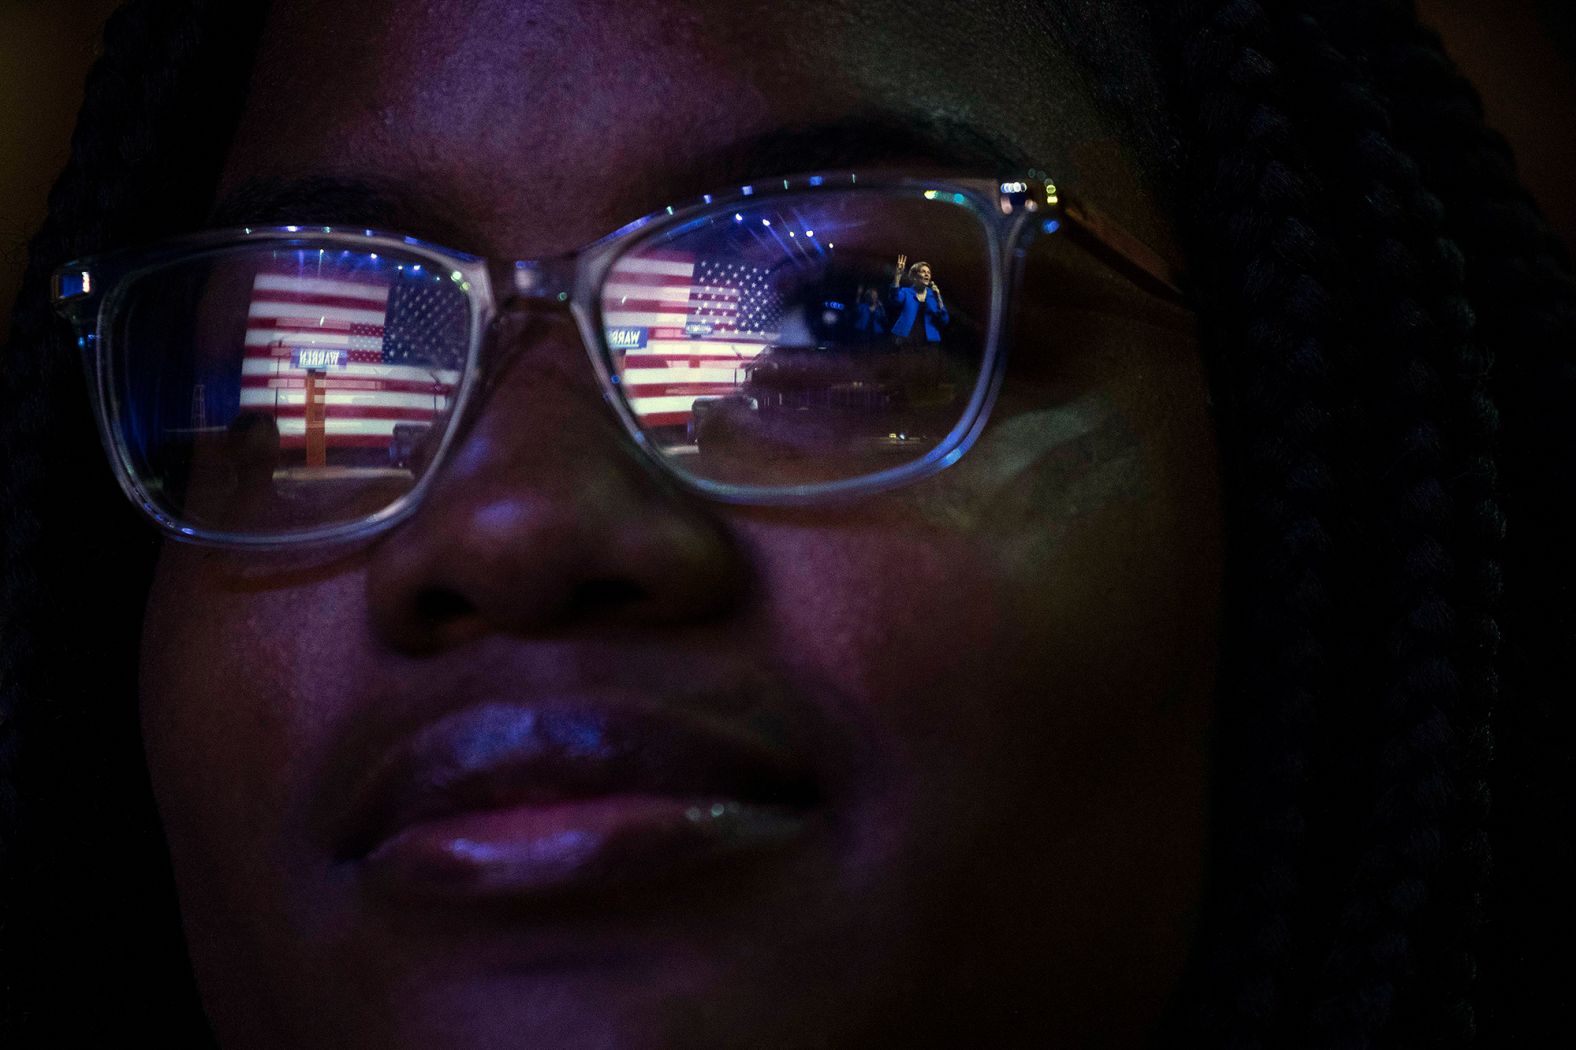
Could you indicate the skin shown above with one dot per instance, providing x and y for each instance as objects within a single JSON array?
[
  {"x": 921, "y": 275},
  {"x": 1008, "y": 665}
]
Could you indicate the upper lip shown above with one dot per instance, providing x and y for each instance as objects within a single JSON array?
[{"x": 500, "y": 754}]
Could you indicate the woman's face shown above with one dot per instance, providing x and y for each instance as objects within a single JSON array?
[
  {"x": 922, "y": 277},
  {"x": 954, "y": 731}
]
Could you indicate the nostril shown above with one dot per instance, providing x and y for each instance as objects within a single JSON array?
[
  {"x": 439, "y": 605},
  {"x": 592, "y": 598},
  {"x": 443, "y": 607}
]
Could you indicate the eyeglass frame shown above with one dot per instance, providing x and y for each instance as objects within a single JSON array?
[{"x": 87, "y": 292}]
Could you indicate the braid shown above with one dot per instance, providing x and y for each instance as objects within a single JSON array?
[
  {"x": 1388, "y": 725},
  {"x": 1519, "y": 276},
  {"x": 143, "y": 164},
  {"x": 1443, "y": 527},
  {"x": 1257, "y": 243}
]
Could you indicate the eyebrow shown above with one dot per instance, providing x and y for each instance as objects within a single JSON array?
[
  {"x": 937, "y": 142},
  {"x": 342, "y": 200},
  {"x": 883, "y": 139},
  {"x": 887, "y": 139}
]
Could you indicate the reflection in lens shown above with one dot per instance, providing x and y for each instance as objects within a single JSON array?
[
  {"x": 805, "y": 339},
  {"x": 270, "y": 389}
]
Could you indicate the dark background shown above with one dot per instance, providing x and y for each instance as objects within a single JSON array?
[{"x": 1521, "y": 53}]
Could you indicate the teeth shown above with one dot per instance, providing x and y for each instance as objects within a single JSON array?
[
  {"x": 735, "y": 821},
  {"x": 716, "y": 811}
]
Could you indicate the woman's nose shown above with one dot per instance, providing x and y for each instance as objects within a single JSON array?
[{"x": 545, "y": 518}]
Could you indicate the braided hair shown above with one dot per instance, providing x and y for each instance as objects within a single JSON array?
[
  {"x": 87, "y": 907},
  {"x": 1388, "y": 327},
  {"x": 1355, "y": 306}
]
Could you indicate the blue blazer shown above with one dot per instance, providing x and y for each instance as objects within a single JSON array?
[
  {"x": 909, "y": 309},
  {"x": 871, "y": 320}
]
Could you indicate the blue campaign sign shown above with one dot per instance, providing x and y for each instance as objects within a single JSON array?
[
  {"x": 698, "y": 328},
  {"x": 317, "y": 358},
  {"x": 626, "y": 338}
]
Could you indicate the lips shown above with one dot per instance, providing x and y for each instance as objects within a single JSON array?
[{"x": 502, "y": 800}]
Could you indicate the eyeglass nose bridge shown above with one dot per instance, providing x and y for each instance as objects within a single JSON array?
[
  {"x": 542, "y": 282},
  {"x": 528, "y": 292}
]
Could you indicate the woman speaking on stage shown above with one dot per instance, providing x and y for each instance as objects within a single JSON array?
[{"x": 918, "y": 302}]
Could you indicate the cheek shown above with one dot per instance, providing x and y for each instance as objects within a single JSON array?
[
  {"x": 949, "y": 617},
  {"x": 1030, "y": 540},
  {"x": 235, "y": 690},
  {"x": 872, "y": 611},
  {"x": 1041, "y": 612}
]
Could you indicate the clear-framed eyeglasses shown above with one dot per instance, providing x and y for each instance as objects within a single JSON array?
[{"x": 794, "y": 340}]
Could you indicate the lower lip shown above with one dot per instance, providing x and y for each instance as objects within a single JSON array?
[{"x": 542, "y": 850}]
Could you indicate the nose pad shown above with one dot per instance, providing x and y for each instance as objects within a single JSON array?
[
  {"x": 521, "y": 325},
  {"x": 545, "y": 516}
]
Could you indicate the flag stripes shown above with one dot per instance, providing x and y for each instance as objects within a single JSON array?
[
  {"x": 703, "y": 321},
  {"x": 384, "y": 381}
]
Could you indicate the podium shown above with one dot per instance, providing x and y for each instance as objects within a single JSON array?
[{"x": 316, "y": 419}]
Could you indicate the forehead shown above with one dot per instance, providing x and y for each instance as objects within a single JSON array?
[{"x": 530, "y": 128}]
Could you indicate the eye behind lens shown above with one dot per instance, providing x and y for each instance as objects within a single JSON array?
[{"x": 779, "y": 344}]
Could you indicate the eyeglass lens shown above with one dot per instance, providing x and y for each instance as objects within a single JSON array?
[
  {"x": 782, "y": 344},
  {"x": 275, "y": 389},
  {"x": 280, "y": 389}
]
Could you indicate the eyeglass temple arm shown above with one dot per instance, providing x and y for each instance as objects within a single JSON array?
[{"x": 1139, "y": 262}]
